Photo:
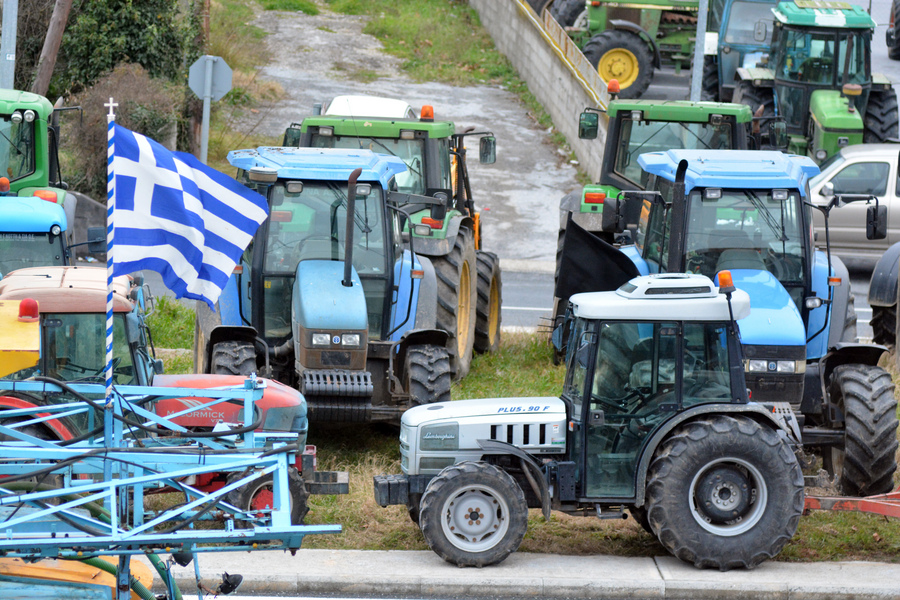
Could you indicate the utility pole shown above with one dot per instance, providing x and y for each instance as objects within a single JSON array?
[
  {"x": 8, "y": 43},
  {"x": 699, "y": 44},
  {"x": 47, "y": 61}
]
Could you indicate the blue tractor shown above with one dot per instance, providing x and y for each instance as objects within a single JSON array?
[
  {"x": 329, "y": 298},
  {"x": 749, "y": 212}
]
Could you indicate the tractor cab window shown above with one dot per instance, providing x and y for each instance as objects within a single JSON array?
[
  {"x": 644, "y": 373},
  {"x": 73, "y": 348},
  {"x": 17, "y": 151},
  {"x": 310, "y": 224},
  {"x": 412, "y": 152},
  {"x": 634, "y": 389},
  {"x": 638, "y": 137},
  {"x": 747, "y": 229},
  {"x": 23, "y": 250},
  {"x": 750, "y": 23},
  {"x": 823, "y": 58},
  {"x": 654, "y": 228}
]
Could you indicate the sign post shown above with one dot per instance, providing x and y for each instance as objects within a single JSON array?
[{"x": 209, "y": 78}]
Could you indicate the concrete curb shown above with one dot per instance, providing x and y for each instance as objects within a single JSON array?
[{"x": 525, "y": 575}]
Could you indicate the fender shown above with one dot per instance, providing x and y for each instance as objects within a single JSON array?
[
  {"x": 56, "y": 426},
  {"x": 426, "y": 303},
  {"x": 757, "y": 411},
  {"x": 415, "y": 337},
  {"x": 529, "y": 466},
  {"x": 846, "y": 353},
  {"x": 442, "y": 247},
  {"x": 839, "y": 302},
  {"x": 225, "y": 333},
  {"x": 883, "y": 284},
  {"x": 642, "y": 33}
]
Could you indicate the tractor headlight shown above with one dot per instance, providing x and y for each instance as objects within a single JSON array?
[
  {"x": 321, "y": 339},
  {"x": 350, "y": 339},
  {"x": 29, "y": 116},
  {"x": 786, "y": 366},
  {"x": 55, "y": 230},
  {"x": 758, "y": 366}
]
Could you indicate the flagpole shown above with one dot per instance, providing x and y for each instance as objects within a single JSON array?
[{"x": 110, "y": 231}]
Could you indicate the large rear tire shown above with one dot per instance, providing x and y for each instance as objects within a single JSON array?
[
  {"x": 881, "y": 122},
  {"x": 569, "y": 13},
  {"x": 623, "y": 56},
  {"x": 755, "y": 98},
  {"x": 487, "y": 308},
  {"x": 710, "y": 81},
  {"x": 257, "y": 495},
  {"x": 866, "y": 463},
  {"x": 456, "y": 299},
  {"x": 233, "y": 358},
  {"x": 724, "y": 492},
  {"x": 427, "y": 374},
  {"x": 473, "y": 514},
  {"x": 884, "y": 319}
]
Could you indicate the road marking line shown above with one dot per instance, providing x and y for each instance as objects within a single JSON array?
[{"x": 504, "y": 307}]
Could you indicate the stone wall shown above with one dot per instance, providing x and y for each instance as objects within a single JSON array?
[{"x": 555, "y": 70}]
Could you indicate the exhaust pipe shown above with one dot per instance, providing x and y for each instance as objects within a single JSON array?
[{"x": 348, "y": 236}]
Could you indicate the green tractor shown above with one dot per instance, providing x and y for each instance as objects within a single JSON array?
[
  {"x": 819, "y": 79},
  {"x": 627, "y": 42},
  {"x": 469, "y": 283}
]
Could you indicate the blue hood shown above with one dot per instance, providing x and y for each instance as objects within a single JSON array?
[{"x": 774, "y": 319}]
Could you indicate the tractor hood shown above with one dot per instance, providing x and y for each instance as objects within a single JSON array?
[
  {"x": 774, "y": 319},
  {"x": 281, "y": 407},
  {"x": 835, "y": 112},
  {"x": 496, "y": 410},
  {"x": 322, "y": 302}
]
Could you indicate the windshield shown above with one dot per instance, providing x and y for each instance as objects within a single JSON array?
[
  {"x": 750, "y": 23},
  {"x": 638, "y": 137},
  {"x": 808, "y": 56},
  {"x": 16, "y": 148},
  {"x": 410, "y": 151},
  {"x": 746, "y": 229},
  {"x": 22, "y": 250},
  {"x": 73, "y": 348}
]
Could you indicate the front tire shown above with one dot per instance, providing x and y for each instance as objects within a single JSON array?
[
  {"x": 866, "y": 463},
  {"x": 456, "y": 299},
  {"x": 623, "y": 56},
  {"x": 724, "y": 492},
  {"x": 473, "y": 514},
  {"x": 233, "y": 358},
  {"x": 487, "y": 308},
  {"x": 569, "y": 13},
  {"x": 710, "y": 81},
  {"x": 428, "y": 378}
]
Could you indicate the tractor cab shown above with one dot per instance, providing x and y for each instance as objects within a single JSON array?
[
  {"x": 811, "y": 54},
  {"x": 636, "y": 359}
]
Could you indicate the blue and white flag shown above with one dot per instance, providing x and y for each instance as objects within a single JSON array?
[{"x": 177, "y": 216}]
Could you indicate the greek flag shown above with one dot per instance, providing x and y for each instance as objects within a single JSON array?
[{"x": 176, "y": 216}]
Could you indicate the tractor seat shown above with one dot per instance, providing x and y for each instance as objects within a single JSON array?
[{"x": 740, "y": 258}]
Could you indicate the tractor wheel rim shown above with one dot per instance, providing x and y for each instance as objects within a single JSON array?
[
  {"x": 463, "y": 307},
  {"x": 475, "y": 519},
  {"x": 723, "y": 496},
  {"x": 620, "y": 64},
  {"x": 494, "y": 313},
  {"x": 262, "y": 500}
]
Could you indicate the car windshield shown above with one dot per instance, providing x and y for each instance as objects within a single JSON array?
[
  {"x": 750, "y": 23},
  {"x": 746, "y": 229},
  {"x": 23, "y": 250},
  {"x": 16, "y": 148},
  {"x": 638, "y": 137},
  {"x": 410, "y": 151}
]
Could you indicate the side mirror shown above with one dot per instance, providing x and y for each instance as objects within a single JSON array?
[
  {"x": 778, "y": 136},
  {"x": 96, "y": 238},
  {"x": 611, "y": 219},
  {"x": 487, "y": 150},
  {"x": 827, "y": 190},
  {"x": 588, "y": 125},
  {"x": 759, "y": 31},
  {"x": 439, "y": 211},
  {"x": 876, "y": 222}
]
